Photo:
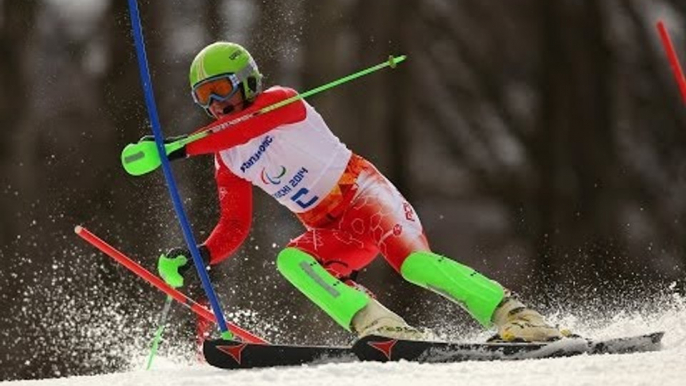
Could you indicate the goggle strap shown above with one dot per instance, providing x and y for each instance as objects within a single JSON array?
[{"x": 245, "y": 73}]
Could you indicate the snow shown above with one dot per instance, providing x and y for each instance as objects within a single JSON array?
[{"x": 664, "y": 368}]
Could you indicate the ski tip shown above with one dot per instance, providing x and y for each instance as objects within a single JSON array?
[{"x": 78, "y": 229}]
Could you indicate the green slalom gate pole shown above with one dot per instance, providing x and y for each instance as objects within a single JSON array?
[
  {"x": 161, "y": 324},
  {"x": 142, "y": 157}
]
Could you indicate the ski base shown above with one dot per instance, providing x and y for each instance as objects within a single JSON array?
[{"x": 229, "y": 354}]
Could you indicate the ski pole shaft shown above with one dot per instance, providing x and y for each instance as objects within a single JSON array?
[
  {"x": 142, "y": 157},
  {"x": 159, "y": 283},
  {"x": 222, "y": 125},
  {"x": 161, "y": 323}
]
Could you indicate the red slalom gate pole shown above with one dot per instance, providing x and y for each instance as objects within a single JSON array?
[
  {"x": 673, "y": 58},
  {"x": 160, "y": 284}
]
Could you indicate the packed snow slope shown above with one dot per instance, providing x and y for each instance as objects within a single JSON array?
[{"x": 666, "y": 367}]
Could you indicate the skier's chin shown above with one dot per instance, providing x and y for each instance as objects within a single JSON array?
[{"x": 226, "y": 111}]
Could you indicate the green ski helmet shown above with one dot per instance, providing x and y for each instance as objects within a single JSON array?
[{"x": 226, "y": 59}]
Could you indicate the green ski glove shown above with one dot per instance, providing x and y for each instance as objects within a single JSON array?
[
  {"x": 143, "y": 157},
  {"x": 174, "y": 264}
]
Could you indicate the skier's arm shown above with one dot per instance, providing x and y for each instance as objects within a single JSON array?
[
  {"x": 254, "y": 127},
  {"x": 235, "y": 201}
]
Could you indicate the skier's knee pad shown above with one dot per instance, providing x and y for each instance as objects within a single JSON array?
[
  {"x": 336, "y": 298},
  {"x": 476, "y": 293}
]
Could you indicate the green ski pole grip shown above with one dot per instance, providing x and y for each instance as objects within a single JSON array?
[{"x": 142, "y": 157}]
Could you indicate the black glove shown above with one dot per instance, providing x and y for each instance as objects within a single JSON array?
[
  {"x": 174, "y": 264},
  {"x": 174, "y": 155}
]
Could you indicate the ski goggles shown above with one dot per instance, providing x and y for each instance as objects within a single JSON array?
[
  {"x": 221, "y": 87},
  {"x": 217, "y": 88}
]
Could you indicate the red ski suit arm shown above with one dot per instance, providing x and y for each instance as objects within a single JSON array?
[
  {"x": 235, "y": 202},
  {"x": 254, "y": 127},
  {"x": 235, "y": 193}
]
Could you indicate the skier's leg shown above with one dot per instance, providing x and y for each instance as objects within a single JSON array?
[
  {"x": 486, "y": 300},
  {"x": 398, "y": 232},
  {"x": 361, "y": 222},
  {"x": 477, "y": 294},
  {"x": 321, "y": 264},
  {"x": 337, "y": 299}
]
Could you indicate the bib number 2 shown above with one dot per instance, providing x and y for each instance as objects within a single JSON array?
[{"x": 301, "y": 199}]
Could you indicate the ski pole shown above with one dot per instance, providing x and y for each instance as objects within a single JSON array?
[
  {"x": 161, "y": 323},
  {"x": 142, "y": 157},
  {"x": 160, "y": 284}
]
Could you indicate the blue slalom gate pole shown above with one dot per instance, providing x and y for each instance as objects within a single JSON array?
[{"x": 171, "y": 184}]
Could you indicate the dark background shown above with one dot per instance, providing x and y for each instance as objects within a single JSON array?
[{"x": 541, "y": 142}]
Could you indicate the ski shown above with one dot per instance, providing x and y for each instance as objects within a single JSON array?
[
  {"x": 376, "y": 348},
  {"x": 229, "y": 354},
  {"x": 640, "y": 343}
]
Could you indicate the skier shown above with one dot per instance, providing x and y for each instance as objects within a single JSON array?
[{"x": 351, "y": 212}]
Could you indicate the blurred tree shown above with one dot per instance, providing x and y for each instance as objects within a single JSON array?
[
  {"x": 16, "y": 30},
  {"x": 574, "y": 147},
  {"x": 562, "y": 179}
]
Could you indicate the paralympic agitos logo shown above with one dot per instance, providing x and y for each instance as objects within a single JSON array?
[
  {"x": 256, "y": 157},
  {"x": 272, "y": 179}
]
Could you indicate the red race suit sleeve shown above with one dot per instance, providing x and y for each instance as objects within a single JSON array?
[
  {"x": 235, "y": 202},
  {"x": 254, "y": 127}
]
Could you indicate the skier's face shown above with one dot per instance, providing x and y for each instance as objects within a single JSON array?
[{"x": 220, "y": 109}]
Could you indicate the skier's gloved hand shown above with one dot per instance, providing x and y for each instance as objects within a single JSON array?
[
  {"x": 174, "y": 264},
  {"x": 174, "y": 155}
]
